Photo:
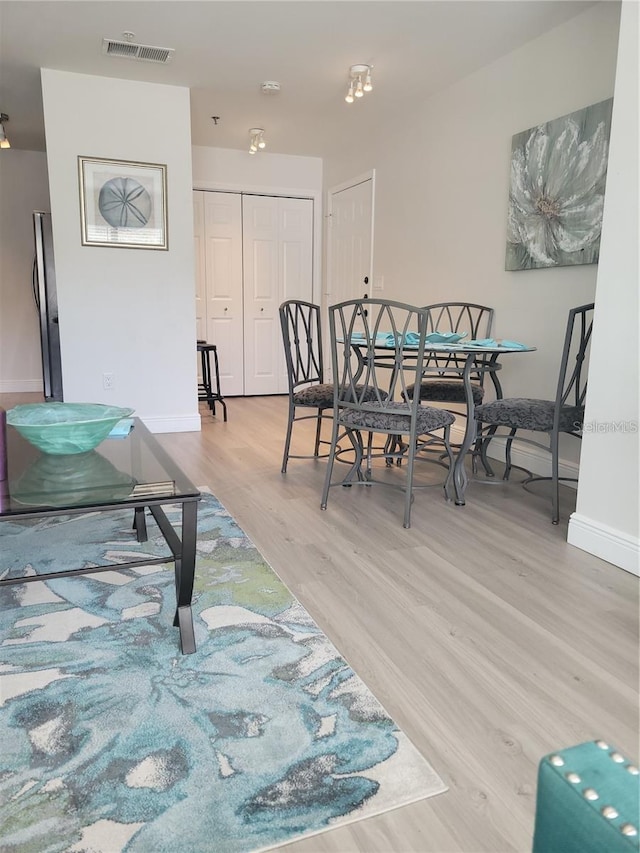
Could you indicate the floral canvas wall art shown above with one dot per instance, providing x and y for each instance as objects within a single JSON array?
[{"x": 556, "y": 196}]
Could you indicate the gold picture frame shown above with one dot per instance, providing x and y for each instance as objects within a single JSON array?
[{"x": 123, "y": 203}]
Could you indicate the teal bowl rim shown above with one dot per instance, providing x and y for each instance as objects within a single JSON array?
[{"x": 119, "y": 412}]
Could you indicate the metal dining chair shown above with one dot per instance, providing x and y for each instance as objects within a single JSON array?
[
  {"x": 372, "y": 365},
  {"x": 564, "y": 414},
  {"x": 302, "y": 340},
  {"x": 438, "y": 385}
]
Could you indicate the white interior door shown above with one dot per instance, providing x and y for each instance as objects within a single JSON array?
[
  {"x": 350, "y": 241},
  {"x": 278, "y": 265},
  {"x": 223, "y": 263},
  {"x": 350, "y": 247}
]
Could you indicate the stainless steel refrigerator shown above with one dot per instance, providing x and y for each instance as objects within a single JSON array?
[{"x": 44, "y": 293}]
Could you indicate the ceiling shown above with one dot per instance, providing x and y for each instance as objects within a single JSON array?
[{"x": 225, "y": 50}]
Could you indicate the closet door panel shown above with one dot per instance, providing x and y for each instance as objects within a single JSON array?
[
  {"x": 223, "y": 259},
  {"x": 263, "y": 272},
  {"x": 262, "y": 294},
  {"x": 296, "y": 260},
  {"x": 266, "y": 367}
]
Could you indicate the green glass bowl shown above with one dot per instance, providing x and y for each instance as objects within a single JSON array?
[{"x": 65, "y": 428}]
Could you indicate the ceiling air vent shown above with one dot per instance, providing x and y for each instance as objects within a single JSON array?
[{"x": 139, "y": 52}]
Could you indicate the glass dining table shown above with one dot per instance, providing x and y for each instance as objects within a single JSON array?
[{"x": 469, "y": 360}]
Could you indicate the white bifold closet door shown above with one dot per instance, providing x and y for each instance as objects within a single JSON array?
[
  {"x": 277, "y": 244},
  {"x": 223, "y": 289},
  {"x": 252, "y": 252}
]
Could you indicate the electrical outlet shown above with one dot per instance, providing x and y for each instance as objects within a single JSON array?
[{"x": 108, "y": 381}]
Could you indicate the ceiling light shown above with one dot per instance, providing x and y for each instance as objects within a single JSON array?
[
  {"x": 4, "y": 142},
  {"x": 256, "y": 139},
  {"x": 359, "y": 82}
]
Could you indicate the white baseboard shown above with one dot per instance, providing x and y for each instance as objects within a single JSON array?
[
  {"x": 17, "y": 386},
  {"x": 605, "y": 542},
  {"x": 527, "y": 456},
  {"x": 182, "y": 423}
]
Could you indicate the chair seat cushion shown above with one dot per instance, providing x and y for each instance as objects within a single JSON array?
[
  {"x": 524, "y": 413},
  {"x": 446, "y": 391},
  {"x": 321, "y": 396},
  {"x": 315, "y": 395},
  {"x": 396, "y": 417}
]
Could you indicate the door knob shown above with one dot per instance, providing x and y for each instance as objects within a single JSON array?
[
  {"x": 366, "y": 279},
  {"x": 262, "y": 309}
]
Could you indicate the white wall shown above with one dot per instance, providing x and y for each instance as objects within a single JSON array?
[
  {"x": 227, "y": 168},
  {"x": 606, "y": 519},
  {"x": 24, "y": 188},
  {"x": 442, "y": 184},
  {"x": 129, "y": 312}
]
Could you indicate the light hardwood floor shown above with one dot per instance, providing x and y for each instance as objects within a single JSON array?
[{"x": 488, "y": 639}]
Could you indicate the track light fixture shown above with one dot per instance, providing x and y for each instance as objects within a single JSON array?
[
  {"x": 4, "y": 142},
  {"x": 256, "y": 140},
  {"x": 359, "y": 82}
]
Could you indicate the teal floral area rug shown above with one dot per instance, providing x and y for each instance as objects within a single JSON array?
[{"x": 112, "y": 740}]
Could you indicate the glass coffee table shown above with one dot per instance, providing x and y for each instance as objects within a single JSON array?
[{"x": 133, "y": 472}]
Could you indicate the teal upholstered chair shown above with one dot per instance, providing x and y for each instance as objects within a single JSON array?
[{"x": 587, "y": 801}]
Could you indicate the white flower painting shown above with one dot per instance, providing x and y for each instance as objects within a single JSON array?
[{"x": 556, "y": 197}]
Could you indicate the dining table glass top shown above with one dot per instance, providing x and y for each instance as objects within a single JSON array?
[{"x": 437, "y": 341}]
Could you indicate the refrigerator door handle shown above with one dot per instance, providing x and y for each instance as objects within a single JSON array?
[
  {"x": 34, "y": 281},
  {"x": 44, "y": 285},
  {"x": 43, "y": 307}
]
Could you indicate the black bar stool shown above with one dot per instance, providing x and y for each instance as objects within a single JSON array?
[{"x": 207, "y": 391}]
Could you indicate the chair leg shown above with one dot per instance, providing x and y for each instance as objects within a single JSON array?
[
  {"x": 408, "y": 496},
  {"x": 218, "y": 394},
  {"x": 555, "y": 481},
  {"x": 287, "y": 441},
  {"x": 484, "y": 446},
  {"x": 449, "y": 481},
  {"x": 355, "y": 437},
  {"x": 330, "y": 461},
  {"x": 507, "y": 455},
  {"x": 316, "y": 451},
  {"x": 368, "y": 474}
]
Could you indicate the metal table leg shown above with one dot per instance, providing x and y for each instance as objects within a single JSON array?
[
  {"x": 140, "y": 524},
  {"x": 184, "y": 554},
  {"x": 185, "y": 574},
  {"x": 460, "y": 479}
]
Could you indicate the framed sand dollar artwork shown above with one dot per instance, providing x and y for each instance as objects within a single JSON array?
[{"x": 123, "y": 204}]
